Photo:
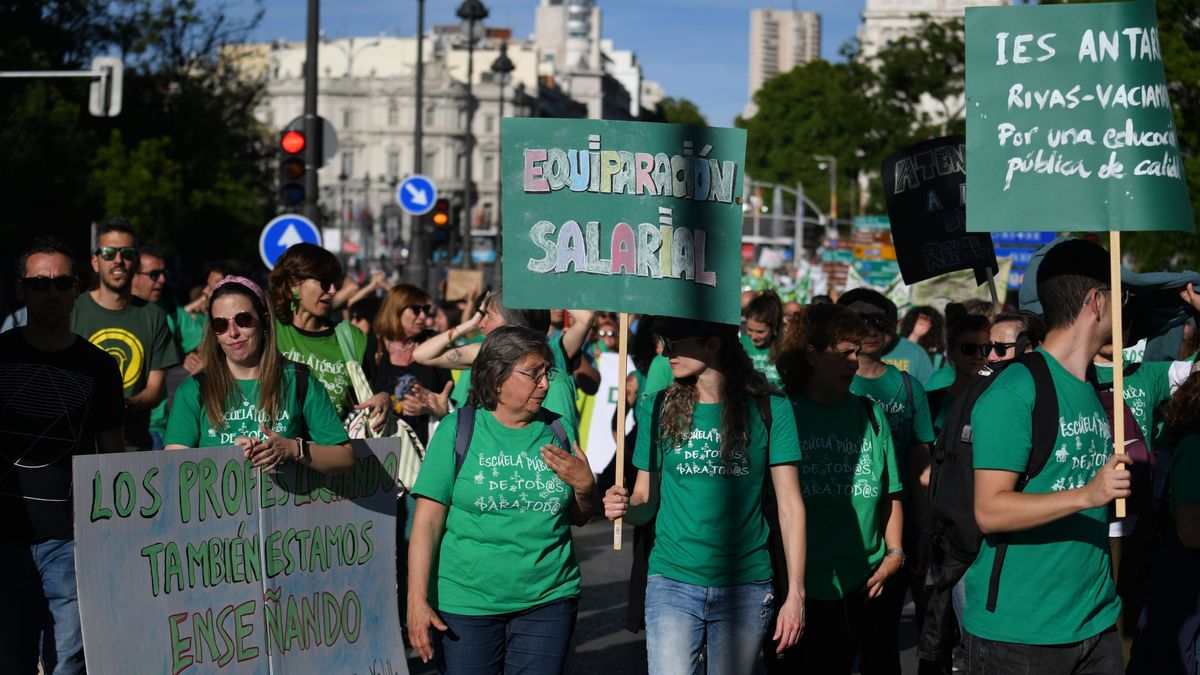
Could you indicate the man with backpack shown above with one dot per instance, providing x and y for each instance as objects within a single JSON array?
[{"x": 1040, "y": 595}]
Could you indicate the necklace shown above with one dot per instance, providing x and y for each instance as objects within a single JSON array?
[{"x": 400, "y": 353}]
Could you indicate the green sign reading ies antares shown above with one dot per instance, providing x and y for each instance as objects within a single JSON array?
[
  {"x": 1069, "y": 125},
  {"x": 623, "y": 216}
]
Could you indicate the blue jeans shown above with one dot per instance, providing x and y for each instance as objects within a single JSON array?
[
  {"x": 530, "y": 642},
  {"x": 40, "y": 612},
  {"x": 725, "y": 623}
]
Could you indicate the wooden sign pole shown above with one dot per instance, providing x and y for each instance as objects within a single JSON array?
[
  {"x": 991, "y": 274},
  {"x": 622, "y": 387},
  {"x": 1118, "y": 357}
]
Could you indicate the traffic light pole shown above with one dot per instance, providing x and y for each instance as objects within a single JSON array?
[
  {"x": 312, "y": 125},
  {"x": 418, "y": 250}
]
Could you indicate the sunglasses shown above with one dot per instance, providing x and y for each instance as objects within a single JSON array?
[
  {"x": 606, "y": 333},
  {"x": 1001, "y": 348},
  {"x": 420, "y": 309},
  {"x": 154, "y": 275},
  {"x": 43, "y": 284},
  {"x": 877, "y": 321},
  {"x": 109, "y": 253},
  {"x": 670, "y": 347},
  {"x": 220, "y": 324},
  {"x": 326, "y": 282},
  {"x": 973, "y": 348}
]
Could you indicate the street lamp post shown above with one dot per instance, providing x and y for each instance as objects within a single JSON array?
[
  {"x": 829, "y": 163},
  {"x": 471, "y": 12},
  {"x": 350, "y": 51},
  {"x": 502, "y": 66}
]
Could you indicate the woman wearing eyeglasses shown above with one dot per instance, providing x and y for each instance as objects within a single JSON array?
[
  {"x": 852, "y": 490},
  {"x": 709, "y": 446},
  {"x": 302, "y": 288},
  {"x": 493, "y": 578},
  {"x": 418, "y": 393},
  {"x": 249, "y": 395},
  {"x": 967, "y": 337}
]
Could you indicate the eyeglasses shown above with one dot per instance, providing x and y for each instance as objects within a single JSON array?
[
  {"x": 43, "y": 284},
  {"x": 420, "y": 309},
  {"x": 540, "y": 376},
  {"x": 670, "y": 347},
  {"x": 154, "y": 275},
  {"x": 220, "y": 324},
  {"x": 109, "y": 253},
  {"x": 1124, "y": 293},
  {"x": 606, "y": 333},
  {"x": 973, "y": 348},
  {"x": 1001, "y": 348}
]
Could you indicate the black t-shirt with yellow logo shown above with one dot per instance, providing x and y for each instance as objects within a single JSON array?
[{"x": 139, "y": 339}]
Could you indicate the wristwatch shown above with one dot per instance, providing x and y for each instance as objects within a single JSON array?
[
  {"x": 305, "y": 450},
  {"x": 899, "y": 552}
]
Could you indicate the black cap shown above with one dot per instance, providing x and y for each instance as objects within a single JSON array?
[
  {"x": 1075, "y": 256},
  {"x": 864, "y": 300},
  {"x": 674, "y": 328}
]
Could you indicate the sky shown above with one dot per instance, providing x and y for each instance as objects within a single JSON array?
[{"x": 696, "y": 49}]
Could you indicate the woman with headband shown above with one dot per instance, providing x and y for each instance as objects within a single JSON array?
[{"x": 250, "y": 396}]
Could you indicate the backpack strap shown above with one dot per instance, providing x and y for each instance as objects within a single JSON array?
[
  {"x": 462, "y": 438},
  {"x": 301, "y": 372},
  {"x": 764, "y": 412},
  {"x": 908, "y": 391},
  {"x": 869, "y": 406},
  {"x": 1045, "y": 433}
]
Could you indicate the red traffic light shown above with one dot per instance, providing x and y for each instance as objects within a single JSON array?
[{"x": 292, "y": 142}]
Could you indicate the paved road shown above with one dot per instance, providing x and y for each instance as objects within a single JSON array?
[{"x": 602, "y": 645}]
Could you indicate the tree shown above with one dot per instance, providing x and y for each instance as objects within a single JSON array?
[
  {"x": 926, "y": 71},
  {"x": 681, "y": 111}
]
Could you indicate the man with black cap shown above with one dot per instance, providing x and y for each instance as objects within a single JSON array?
[{"x": 1053, "y": 607}]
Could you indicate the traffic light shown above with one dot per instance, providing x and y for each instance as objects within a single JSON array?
[
  {"x": 441, "y": 213},
  {"x": 291, "y": 167}
]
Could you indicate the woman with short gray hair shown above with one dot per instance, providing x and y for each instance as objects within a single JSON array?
[{"x": 496, "y": 497}]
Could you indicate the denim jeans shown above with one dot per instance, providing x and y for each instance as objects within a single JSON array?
[
  {"x": 1097, "y": 655},
  {"x": 725, "y": 623},
  {"x": 534, "y": 641},
  {"x": 40, "y": 613}
]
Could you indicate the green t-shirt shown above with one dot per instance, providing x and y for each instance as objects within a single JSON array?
[
  {"x": 942, "y": 377},
  {"x": 1056, "y": 586},
  {"x": 189, "y": 329},
  {"x": 710, "y": 529},
  {"x": 908, "y": 356},
  {"x": 560, "y": 399},
  {"x": 321, "y": 353},
  {"x": 660, "y": 375},
  {"x": 910, "y": 423},
  {"x": 189, "y": 425},
  {"x": 761, "y": 358},
  {"x": 1185, "y": 472},
  {"x": 1148, "y": 386},
  {"x": 139, "y": 339},
  {"x": 847, "y": 470},
  {"x": 507, "y": 543}
]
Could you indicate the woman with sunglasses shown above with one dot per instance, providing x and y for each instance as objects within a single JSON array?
[
  {"x": 302, "y": 288},
  {"x": 709, "y": 446},
  {"x": 249, "y": 395},
  {"x": 493, "y": 578},
  {"x": 968, "y": 347},
  {"x": 852, "y": 488},
  {"x": 441, "y": 350},
  {"x": 418, "y": 393}
]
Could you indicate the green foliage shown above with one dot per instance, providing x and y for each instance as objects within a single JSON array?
[
  {"x": 681, "y": 111},
  {"x": 928, "y": 69}
]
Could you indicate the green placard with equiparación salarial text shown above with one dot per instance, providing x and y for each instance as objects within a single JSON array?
[
  {"x": 1069, "y": 124},
  {"x": 623, "y": 216}
]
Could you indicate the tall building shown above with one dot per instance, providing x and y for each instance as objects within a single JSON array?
[
  {"x": 779, "y": 41},
  {"x": 886, "y": 20}
]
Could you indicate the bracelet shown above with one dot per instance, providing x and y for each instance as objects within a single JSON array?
[
  {"x": 451, "y": 336},
  {"x": 898, "y": 552}
]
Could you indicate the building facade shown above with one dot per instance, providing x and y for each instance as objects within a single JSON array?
[
  {"x": 779, "y": 41},
  {"x": 885, "y": 20}
]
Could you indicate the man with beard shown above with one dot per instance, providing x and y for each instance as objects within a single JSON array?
[{"x": 131, "y": 330}]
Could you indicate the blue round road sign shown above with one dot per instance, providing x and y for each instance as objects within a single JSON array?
[
  {"x": 282, "y": 232},
  {"x": 417, "y": 195}
]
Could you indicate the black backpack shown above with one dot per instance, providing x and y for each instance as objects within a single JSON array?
[
  {"x": 466, "y": 430},
  {"x": 954, "y": 533}
]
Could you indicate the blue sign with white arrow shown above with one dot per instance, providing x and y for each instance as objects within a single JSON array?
[
  {"x": 417, "y": 195},
  {"x": 285, "y": 231}
]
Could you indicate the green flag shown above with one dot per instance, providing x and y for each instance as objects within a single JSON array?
[
  {"x": 623, "y": 216},
  {"x": 1069, "y": 125}
]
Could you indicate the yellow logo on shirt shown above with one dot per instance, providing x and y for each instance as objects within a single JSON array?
[{"x": 125, "y": 348}]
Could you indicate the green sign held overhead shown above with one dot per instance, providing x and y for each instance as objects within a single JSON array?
[
  {"x": 623, "y": 216},
  {"x": 1069, "y": 125}
]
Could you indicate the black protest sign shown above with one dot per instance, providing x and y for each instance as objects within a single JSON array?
[{"x": 926, "y": 190}]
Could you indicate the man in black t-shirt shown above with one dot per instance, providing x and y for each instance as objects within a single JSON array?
[{"x": 59, "y": 396}]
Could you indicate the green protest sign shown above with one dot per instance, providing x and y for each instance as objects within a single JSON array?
[
  {"x": 623, "y": 216},
  {"x": 1069, "y": 125}
]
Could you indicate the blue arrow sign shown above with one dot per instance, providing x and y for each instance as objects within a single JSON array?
[
  {"x": 416, "y": 195},
  {"x": 282, "y": 232}
]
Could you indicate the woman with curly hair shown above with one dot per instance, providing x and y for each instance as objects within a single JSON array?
[
  {"x": 708, "y": 447},
  {"x": 1166, "y": 642},
  {"x": 851, "y": 486}
]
